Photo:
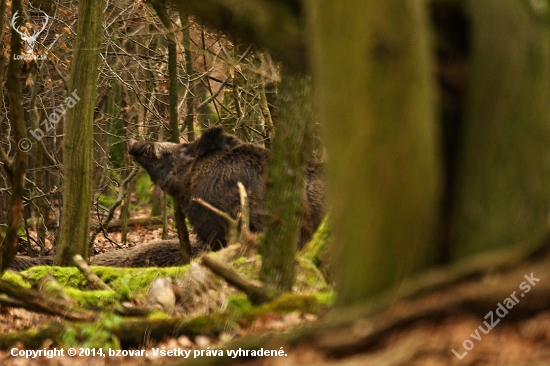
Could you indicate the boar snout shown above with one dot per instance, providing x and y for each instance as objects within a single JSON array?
[{"x": 130, "y": 145}]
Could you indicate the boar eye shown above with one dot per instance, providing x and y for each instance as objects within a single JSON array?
[
  {"x": 185, "y": 152},
  {"x": 147, "y": 150}
]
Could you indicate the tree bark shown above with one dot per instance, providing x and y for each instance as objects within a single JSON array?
[
  {"x": 502, "y": 196},
  {"x": 15, "y": 168},
  {"x": 190, "y": 73},
  {"x": 380, "y": 135},
  {"x": 78, "y": 139},
  {"x": 179, "y": 215},
  {"x": 290, "y": 152}
]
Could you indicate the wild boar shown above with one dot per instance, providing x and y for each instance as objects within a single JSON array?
[{"x": 209, "y": 168}]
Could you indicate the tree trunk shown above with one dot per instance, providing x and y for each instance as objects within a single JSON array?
[
  {"x": 189, "y": 70},
  {"x": 78, "y": 139},
  {"x": 179, "y": 215},
  {"x": 380, "y": 136},
  {"x": 16, "y": 168},
  {"x": 290, "y": 152},
  {"x": 502, "y": 196}
]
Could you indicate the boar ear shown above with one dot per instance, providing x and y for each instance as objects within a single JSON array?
[{"x": 211, "y": 140}]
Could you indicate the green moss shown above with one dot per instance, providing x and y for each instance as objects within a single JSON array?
[
  {"x": 106, "y": 201},
  {"x": 316, "y": 249},
  {"x": 134, "y": 278},
  {"x": 66, "y": 276},
  {"x": 100, "y": 298},
  {"x": 94, "y": 335},
  {"x": 291, "y": 302},
  {"x": 249, "y": 267},
  {"x": 238, "y": 303},
  {"x": 308, "y": 277},
  {"x": 127, "y": 283},
  {"x": 15, "y": 278},
  {"x": 325, "y": 298},
  {"x": 284, "y": 304}
]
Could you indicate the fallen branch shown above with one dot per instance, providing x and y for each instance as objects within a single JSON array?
[
  {"x": 93, "y": 280},
  {"x": 140, "y": 332},
  {"x": 255, "y": 290},
  {"x": 40, "y": 302},
  {"x": 159, "y": 253}
]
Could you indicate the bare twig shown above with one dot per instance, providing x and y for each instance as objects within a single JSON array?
[
  {"x": 101, "y": 226},
  {"x": 5, "y": 160},
  {"x": 222, "y": 85}
]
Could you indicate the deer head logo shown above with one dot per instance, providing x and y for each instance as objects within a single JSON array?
[{"x": 30, "y": 40}]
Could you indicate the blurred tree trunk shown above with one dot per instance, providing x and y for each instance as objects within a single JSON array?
[
  {"x": 78, "y": 139},
  {"x": 502, "y": 196},
  {"x": 376, "y": 98},
  {"x": 290, "y": 152},
  {"x": 16, "y": 168}
]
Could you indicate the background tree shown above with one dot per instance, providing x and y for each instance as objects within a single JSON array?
[
  {"x": 179, "y": 215},
  {"x": 78, "y": 139},
  {"x": 15, "y": 167}
]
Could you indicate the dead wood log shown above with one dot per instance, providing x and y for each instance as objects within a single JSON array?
[
  {"x": 130, "y": 332},
  {"x": 41, "y": 302},
  {"x": 116, "y": 224},
  {"x": 144, "y": 222},
  {"x": 159, "y": 253}
]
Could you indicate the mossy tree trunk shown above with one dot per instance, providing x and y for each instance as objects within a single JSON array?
[
  {"x": 16, "y": 167},
  {"x": 502, "y": 195},
  {"x": 290, "y": 152},
  {"x": 375, "y": 92},
  {"x": 78, "y": 140}
]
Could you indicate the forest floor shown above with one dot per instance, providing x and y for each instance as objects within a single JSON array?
[{"x": 455, "y": 317}]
